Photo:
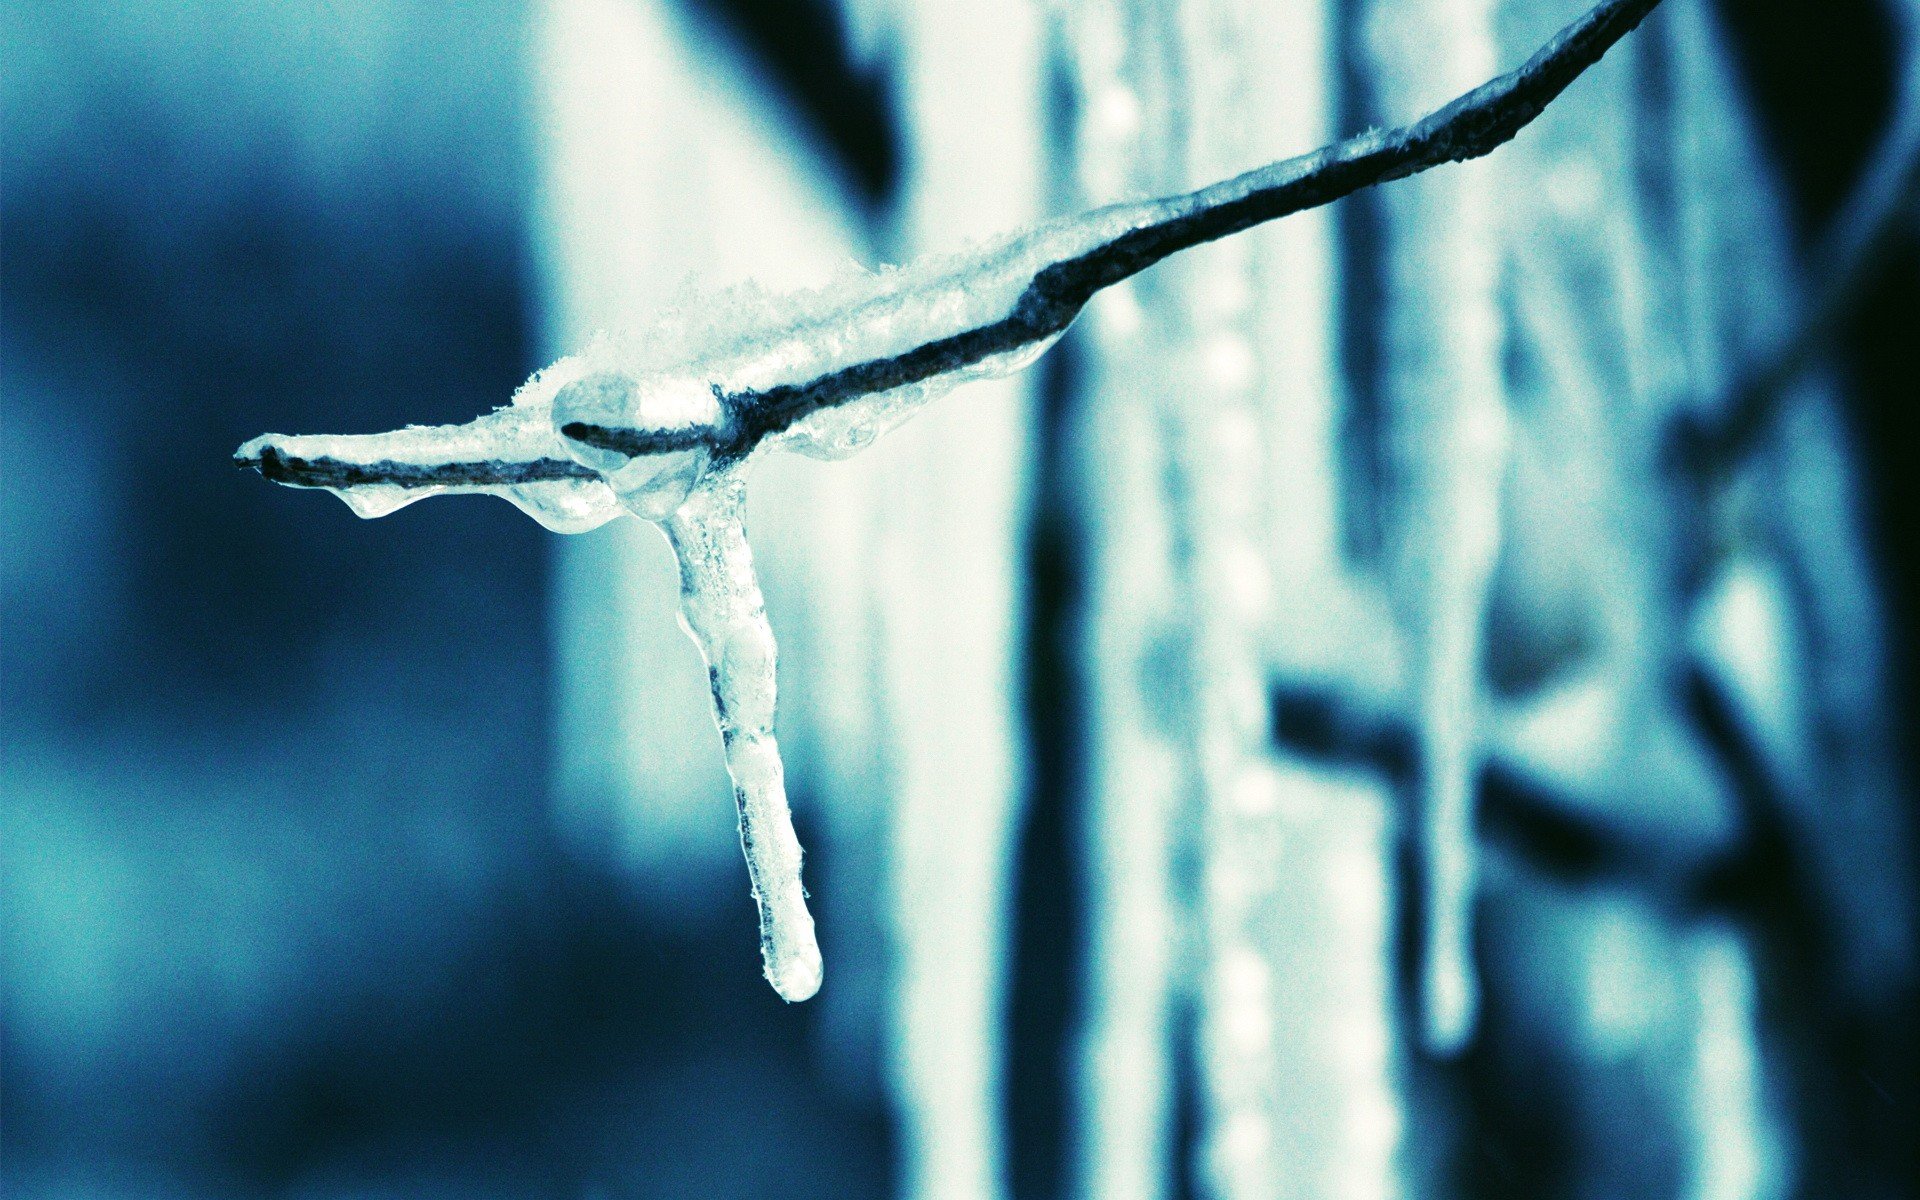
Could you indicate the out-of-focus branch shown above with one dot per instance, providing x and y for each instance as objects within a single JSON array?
[
  {"x": 1883, "y": 204},
  {"x": 1471, "y": 126}
]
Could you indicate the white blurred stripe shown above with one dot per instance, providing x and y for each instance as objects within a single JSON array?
[
  {"x": 1443, "y": 400},
  {"x": 1138, "y": 760},
  {"x": 951, "y": 568}
]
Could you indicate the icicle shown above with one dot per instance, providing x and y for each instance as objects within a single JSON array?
[
  {"x": 1219, "y": 488},
  {"x": 1137, "y": 714},
  {"x": 1298, "y": 1067},
  {"x": 722, "y": 610},
  {"x": 1443, "y": 400},
  {"x": 1336, "y": 1090},
  {"x": 702, "y": 171}
]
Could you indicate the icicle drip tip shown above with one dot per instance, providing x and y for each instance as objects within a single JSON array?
[{"x": 722, "y": 610}]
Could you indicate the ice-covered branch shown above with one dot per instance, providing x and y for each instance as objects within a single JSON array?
[
  {"x": 756, "y": 369},
  {"x": 659, "y": 423}
]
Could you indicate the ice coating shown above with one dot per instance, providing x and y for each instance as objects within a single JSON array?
[
  {"x": 649, "y": 485},
  {"x": 722, "y": 609},
  {"x": 844, "y": 430},
  {"x": 610, "y": 430},
  {"x": 764, "y": 360},
  {"x": 634, "y": 421},
  {"x": 511, "y": 452}
]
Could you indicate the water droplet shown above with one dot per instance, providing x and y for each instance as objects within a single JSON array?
[
  {"x": 369, "y": 500},
  {"x": 565, "y": 506}
]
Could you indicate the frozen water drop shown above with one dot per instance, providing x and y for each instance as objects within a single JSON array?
[
  {"x": 606, "y": 400},
  {"x": 369, "y": 500},
  {"x": 652, "y": 446},
  {"x": 653, "y": 486},
  {"x": 565, "y": 506},
  {"x": 833, "y": 433}
]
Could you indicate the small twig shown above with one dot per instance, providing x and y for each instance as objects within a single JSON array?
[
  {"x": 325, "y": 472},
  {"x": 1471, "y": 126}
]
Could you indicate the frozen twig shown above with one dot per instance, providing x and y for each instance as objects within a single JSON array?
[{"x": 1064, "y": 265}]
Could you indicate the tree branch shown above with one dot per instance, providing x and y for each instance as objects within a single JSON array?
[{"x": 1471, "y": 126}]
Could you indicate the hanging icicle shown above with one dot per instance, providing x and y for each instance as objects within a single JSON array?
[
  {"x": 1442, "y": 397},
  {"x": 1115, "y": 57},
  {"x": 721, "y": 607},
  {"x": 1297, "y": 1059}
]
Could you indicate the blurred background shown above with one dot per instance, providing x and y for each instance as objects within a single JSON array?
[{"x": 1415, "y": 701}]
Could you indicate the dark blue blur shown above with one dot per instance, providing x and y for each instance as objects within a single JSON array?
[{"x": 284, "y": 913}]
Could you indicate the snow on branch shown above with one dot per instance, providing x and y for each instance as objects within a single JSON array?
[{"x": 659, "y": 422}]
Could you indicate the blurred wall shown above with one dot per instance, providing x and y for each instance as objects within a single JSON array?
[{"x": 283, "y": 912}]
